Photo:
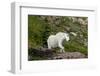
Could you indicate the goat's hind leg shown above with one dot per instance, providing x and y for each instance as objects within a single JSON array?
[{"x": 49, "y": 47}]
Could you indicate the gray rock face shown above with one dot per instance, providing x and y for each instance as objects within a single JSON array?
[
  {"x": 69, "y": 55},
  {"x": 50, "y": 54},
  {"x": 42, "y": 52}
]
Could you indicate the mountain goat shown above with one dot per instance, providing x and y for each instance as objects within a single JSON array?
[{"x": 56, "y": 40}]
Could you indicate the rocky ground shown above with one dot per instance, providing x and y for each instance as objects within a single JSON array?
[
  {"x": 49, "y": 54},
  {"x": 69, "y": 55}
]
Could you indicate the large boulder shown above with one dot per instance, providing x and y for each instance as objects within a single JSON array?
[
  {"x": 42, "y": 52},
  {"x": 69, "y": 55}
]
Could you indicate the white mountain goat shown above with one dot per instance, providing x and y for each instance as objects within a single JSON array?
[{"x": 56, "y": 40}]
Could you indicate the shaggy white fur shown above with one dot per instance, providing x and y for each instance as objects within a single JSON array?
[{"x": 56, "y": 40}]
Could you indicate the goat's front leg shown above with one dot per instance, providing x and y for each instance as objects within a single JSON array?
[{"x": 61, "y": 47}]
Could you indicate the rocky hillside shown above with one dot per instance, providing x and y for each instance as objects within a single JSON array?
[{"x": 41, "y": 27}]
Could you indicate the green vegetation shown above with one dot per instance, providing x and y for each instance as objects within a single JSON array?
[{"x": 41, "y": 27}]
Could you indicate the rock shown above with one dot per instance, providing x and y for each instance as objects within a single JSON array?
[
  {"x": 51, "y": 54},
  {"x": 42, "y": 52},
  {"x": 69, "y": 55}
]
